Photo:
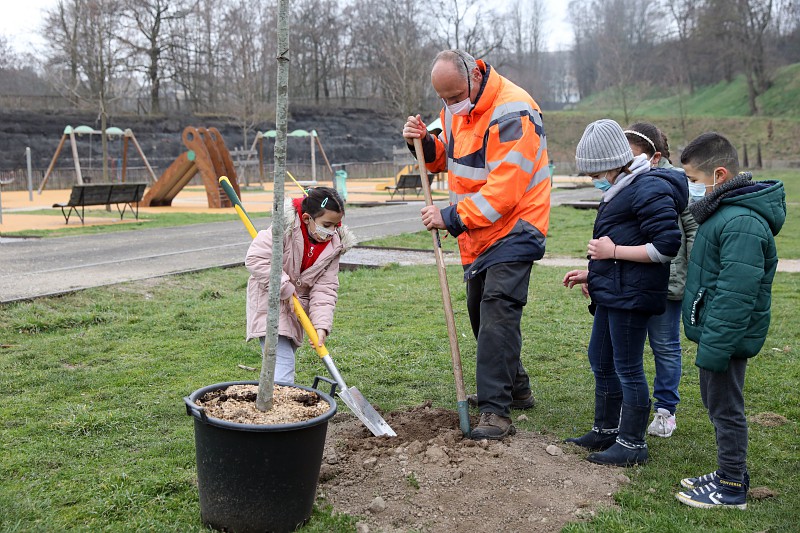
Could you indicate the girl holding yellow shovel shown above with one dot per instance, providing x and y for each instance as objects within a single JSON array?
[{"x": 313, "y": 241}]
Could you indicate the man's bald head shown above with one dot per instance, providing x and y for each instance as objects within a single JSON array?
[{"x": 455, "y": 76}]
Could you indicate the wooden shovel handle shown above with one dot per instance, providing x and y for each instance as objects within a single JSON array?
[{"x": 455, "y": 354}]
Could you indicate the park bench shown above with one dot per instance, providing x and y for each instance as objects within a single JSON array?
[
  {"x": 407, "y": 182},
  {"x": 120, "y": 194}
]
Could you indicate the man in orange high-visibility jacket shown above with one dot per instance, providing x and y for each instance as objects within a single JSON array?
[{"x": 494, "y": 150}]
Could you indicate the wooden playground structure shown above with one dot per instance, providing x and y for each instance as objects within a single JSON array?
[{"x": 206, "y": 155}]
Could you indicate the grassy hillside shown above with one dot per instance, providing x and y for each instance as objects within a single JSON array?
[
  {"x": 725, "y": 99},
  {"x": 721, "y": 107},
  {"x": 565, "y": 128}
]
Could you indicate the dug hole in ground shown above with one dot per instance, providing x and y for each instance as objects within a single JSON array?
[{"x": 430, "y": 478}]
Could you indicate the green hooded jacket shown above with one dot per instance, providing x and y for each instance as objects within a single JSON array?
[{"x": 726, "y": 305}]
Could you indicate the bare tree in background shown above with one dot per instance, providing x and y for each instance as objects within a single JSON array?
[
  {"x": 8, "y": 58},
  {"x": 62, "y": 34},
  {"x": 195, "y": 54},
  {"x": 247, "y": 52},
  {"x": 317, "y": 46},
  {"x": 585, "y": 25},
  {"x": 468, "y": 25},
  {"x": 95, "y": 68},
  {"x": 525, "y": 42},
  {"x": 684, "y": 16},
  {"x": 395, "y": 53},
  {"x": 754, "y": 18},
  {"x": 625, "y": 40},
  {"x": 347, "y": 52},
  {"x": 150, "y": 21}
]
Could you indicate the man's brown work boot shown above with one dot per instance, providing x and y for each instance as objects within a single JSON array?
[{"x": 492, "y": 427}]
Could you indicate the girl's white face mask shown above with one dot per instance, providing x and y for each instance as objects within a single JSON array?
[{"x": 320, "y": 233}]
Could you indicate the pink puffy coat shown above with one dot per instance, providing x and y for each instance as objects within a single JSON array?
[{"x": 316, "y": 287}]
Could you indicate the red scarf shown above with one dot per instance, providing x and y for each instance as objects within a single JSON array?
[{"x": 311, "y": 250}]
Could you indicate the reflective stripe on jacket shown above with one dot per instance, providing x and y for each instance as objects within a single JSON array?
[{"x": 497, "y": 166}]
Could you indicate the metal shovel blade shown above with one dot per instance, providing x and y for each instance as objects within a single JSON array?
[{"x": 374, "y": 422}]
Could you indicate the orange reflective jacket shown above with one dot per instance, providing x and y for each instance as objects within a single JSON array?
[{"x": 497, "y": 165}]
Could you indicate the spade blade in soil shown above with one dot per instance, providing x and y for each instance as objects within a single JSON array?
[{"x": 353, "y": 399}]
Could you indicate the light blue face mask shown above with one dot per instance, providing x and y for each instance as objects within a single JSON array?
[
  {"x": 603, "y": 184},
  {"x": 696, "y": 191}
]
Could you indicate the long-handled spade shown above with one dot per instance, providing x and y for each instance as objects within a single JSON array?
[
  {"x": 351, "y": 396},
  {"x": 455, "y": 354}
]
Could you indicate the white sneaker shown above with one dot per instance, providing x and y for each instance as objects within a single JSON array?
[{"x": 663, "y": 424}]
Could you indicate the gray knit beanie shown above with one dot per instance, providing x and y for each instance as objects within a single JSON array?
[{"x": 602, "y": 147}]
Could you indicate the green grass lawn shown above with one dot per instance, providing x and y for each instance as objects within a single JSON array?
[
  {"x": 95, "y": 437},
  {"x": 146, "y": 220}
]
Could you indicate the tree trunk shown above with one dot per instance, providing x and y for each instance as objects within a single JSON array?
[
  {"x": 104, "y": 139},
  {"x": 266, "y": 380}
]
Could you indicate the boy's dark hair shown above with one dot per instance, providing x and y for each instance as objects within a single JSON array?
[
  {"x": 655, "y": 135},
  {"x": 709, "y": 151},
  {"x": 321, "y": 198}
]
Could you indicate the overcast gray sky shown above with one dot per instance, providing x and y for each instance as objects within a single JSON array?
[{"x": 20, "y": 21}]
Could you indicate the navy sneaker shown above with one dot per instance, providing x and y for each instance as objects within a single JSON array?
[
  {"x": 695, "y": 482},
  {"x": 722, "y": 493}
]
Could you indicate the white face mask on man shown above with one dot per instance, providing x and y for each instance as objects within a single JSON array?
[
  {"x": 464, "y": 106},
  {"x": 461, "y": 108}
]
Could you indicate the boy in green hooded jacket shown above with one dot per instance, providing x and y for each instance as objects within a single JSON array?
[{"x": 726, "y": 304}]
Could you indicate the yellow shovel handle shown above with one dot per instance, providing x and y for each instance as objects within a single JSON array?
[{"x": 322, "y": 351}]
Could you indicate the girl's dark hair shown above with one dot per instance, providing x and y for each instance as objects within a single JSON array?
[
  {"x": 321, "y": 198},
  {"x": 651, "y": 132}
]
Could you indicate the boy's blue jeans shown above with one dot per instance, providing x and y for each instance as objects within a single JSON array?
[
  {"x": 616, "y": 348},
  {"x": 664, "y": 332},
  {"x": 722, "y": 394}
]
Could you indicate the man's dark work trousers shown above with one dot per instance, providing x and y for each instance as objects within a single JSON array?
[{"x": 495, "y": 299}]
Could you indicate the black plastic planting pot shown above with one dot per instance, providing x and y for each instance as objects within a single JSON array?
[{"x": 257, "y": 477}]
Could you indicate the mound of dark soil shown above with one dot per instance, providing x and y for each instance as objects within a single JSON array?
[{"x": 429, "y": 478}]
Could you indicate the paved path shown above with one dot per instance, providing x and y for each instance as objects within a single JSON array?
[
  {"x": 38, "y": 267},
  {"x": 31, "y": 268}
]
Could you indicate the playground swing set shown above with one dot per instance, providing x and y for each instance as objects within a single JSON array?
[
  {"x": 111, "y": 134},
  {"x": 206, "y": 154},
  {"x": 339, "y": 176}
]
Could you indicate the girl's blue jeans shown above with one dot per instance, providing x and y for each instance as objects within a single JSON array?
[
  {"x": 615, "y": 354},
  {"x": 664, "y": 332},
  {"x": 284, "y": 358}
]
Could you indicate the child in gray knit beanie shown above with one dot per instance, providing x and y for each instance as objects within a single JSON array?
[
  {"x": 635, "y": 235},
  {"x": 602, "y": 147}
]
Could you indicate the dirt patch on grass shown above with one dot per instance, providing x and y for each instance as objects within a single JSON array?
[
  {"x": 769, "y": 420},
  {"x": 429, "y": 478}
]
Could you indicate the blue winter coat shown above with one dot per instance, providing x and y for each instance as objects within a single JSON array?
[{"x": 645, "y": 211}]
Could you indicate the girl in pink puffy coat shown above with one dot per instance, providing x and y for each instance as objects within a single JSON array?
[{"x": 313, "y": 241}]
